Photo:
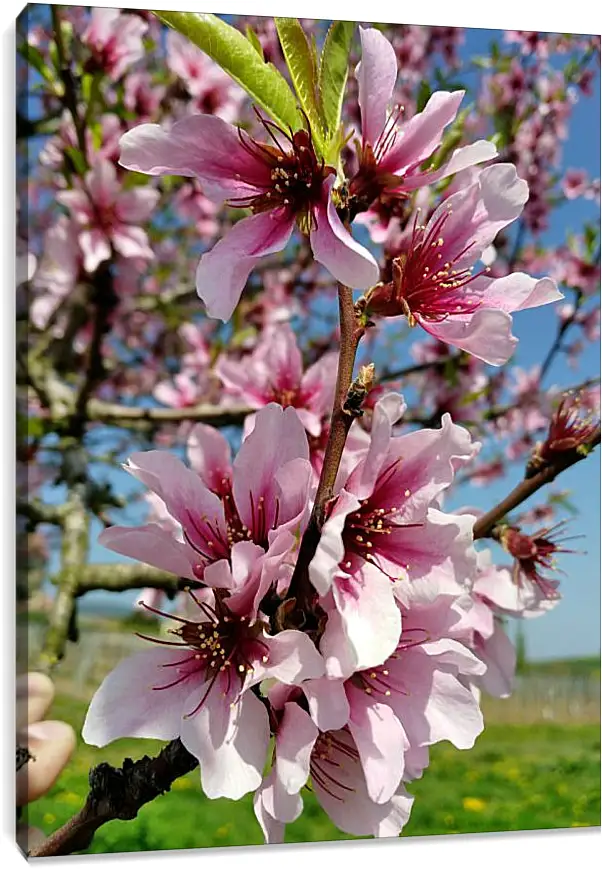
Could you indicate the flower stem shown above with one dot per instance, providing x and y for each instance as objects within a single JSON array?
[{"x": 340, "y": 423}]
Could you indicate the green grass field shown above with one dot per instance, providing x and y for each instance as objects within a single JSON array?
[{"x": 516, "y": 778}]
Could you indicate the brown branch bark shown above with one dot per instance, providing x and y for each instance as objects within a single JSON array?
[
  {"x": 145, "y": 418},
  {"x": 526, "y": 488},
  {"x": 351, "y": 334},
  {"x": 121, "y": 577},
  {"x": 118, "y": 793}
]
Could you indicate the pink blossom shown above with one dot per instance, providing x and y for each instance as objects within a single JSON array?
[
  {"x": 192, "y": 204},
  {"x": 53, "y": 154},
  {"x": 199, "y": 690},
  {"x": 198, "y": 355},
  {"x": 487, "y": 471},
  {"x": 58, "y": 271},
  {"x": 384, "y": 529},
  {"x": 371, "y": 731},
  {"x": 212, "y": 90},
  {"x": 332, "y": 760},
  {"x": 575, "y": 183},
  {"x": 391, "y": 156},
  {"x": 283, "y": 184},
  {"x": 261, "y": 498},
  {"x": 274, "y": 373},
  {"x": 535, "y": 560},
  {"x": 141, "y": 96},
  {"x": 433, "y": 284},
  {"x": 183, "y": 392},
  {"x": 115, "y": 40},
  {"x": 109, "y": 216}
]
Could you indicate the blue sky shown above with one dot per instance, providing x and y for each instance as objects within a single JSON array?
[{"x": 573, "y": 628}]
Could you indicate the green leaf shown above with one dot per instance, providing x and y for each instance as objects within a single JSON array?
[
  {"x": 254, "y": 40},
  {"x": 77, "y": 159},
  {"x": 332, "y": 76},
  {"x": 230, "y": 49},
  {"x": 422, "y": 98},
  {"x": 35, "y": 58},
  {"x": 301, "y": 63}
]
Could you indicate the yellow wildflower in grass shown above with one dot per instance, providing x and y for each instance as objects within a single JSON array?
[
  {"x": 181, "y": 785},
  {"x": 474, "y": 804},
  {"x": 48, "y": 818},
  {"x": 512, "y": 773},
  {"x": 69, "y": 797},
  {"x": 224, "y": 830}
]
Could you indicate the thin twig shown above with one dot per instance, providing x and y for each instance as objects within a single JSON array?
[
  {"x": 121, "y": 577},
  {"x": 147, "y": 418},
  {"x": 526, "y": 488},
  {"x": 351, "y": 333},
  {"x": 70, "y": 95}
]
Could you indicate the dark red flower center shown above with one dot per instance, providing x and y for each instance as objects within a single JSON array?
[
  {"x": 329, "y": 753},
  {"x": 425, "y": 285},
  {"x": 220, "y": 645},
  {"x": 295, "y": 175}
]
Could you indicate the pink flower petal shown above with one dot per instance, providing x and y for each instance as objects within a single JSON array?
[
  {"x": 127, "y": 705},
  {"x": 338, "y": 653},
  {"x": 209, "y": 455},
  {"x": 278, "y": 807},
  {"x": 330, "y": 550},
  {"x": 137, "y": 205},
  {"x": 499, "y": 655},
  {"x": 420, "y": 135},
  {"x": 328, "y": 704},
  {"x": 223, "y": 271},
  {"x": 294, "y": 742},
  {"x": 255, "y": 469},
  {"x": 518, "y": 291},
  {"x": 273, "y": 831},
  {"x": 187, "y": 498},
  {"x": 463, "y": 158},
  {"x": 336, "y": 249},
  {"x": 152, "y": 545},
  {"x": 381, "y": 743},
  {"x": 233, "y": 768},
  {"x": 376, "y": 75},
  {"x": 199, "y": 145},
  {"x": 95, "y": 248},
  {"x": 292, "y": 658},
  {"x": 370, "y": 615},
  {"x": 102, "y": 183},
  {"x": 131, "y": 242},
  {"x": 387, "y": 412},
  {"x": 486, "y": 335}
]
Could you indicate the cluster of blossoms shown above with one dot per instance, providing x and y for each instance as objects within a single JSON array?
[
  {"x": 403, "y": 616},
  {"x": 403, "y": 622},
  {"x": 354, "y": 703}
]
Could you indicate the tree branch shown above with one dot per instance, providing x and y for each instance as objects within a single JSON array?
[
  {"x": 341, "y": 420},
  {"x": 121, "y": 577},
  {"x": 37, "y": 512},
  {"x": 147, "y": 418},
  {"x": 526, "y": 488},
  {"x": 74, "y": 551},
  {"x": 118, "y": 793},
  {"x": 419, "y": 367}
]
